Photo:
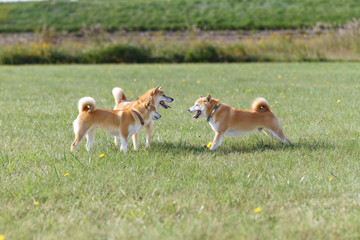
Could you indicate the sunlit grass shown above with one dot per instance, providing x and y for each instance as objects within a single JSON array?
[{"x": 252, "y": 187}]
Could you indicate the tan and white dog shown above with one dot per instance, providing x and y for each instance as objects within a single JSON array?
[
  {"x": 120, "y": 123},
  {"x": 158, "y": 98},
  {"x": 226, "y": 120}
]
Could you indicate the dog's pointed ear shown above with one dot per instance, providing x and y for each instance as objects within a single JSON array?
[
  {"x": 154, "y": 91},
  {"x": 148, "y": 105},
  {"x": 208, "y": 98},
  {"x": 157, "y": 89}
]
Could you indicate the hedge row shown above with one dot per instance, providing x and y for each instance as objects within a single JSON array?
[{"x": 125, "y": 54}]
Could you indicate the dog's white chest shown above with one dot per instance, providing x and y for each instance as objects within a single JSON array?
[
  {"x": 131, "y": 129},
  {"x": 214, "y": 126}
]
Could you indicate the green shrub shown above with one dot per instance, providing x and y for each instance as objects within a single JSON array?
[
  {"x": 117, "y": 54},
  {"x": 203, "y": 53}
]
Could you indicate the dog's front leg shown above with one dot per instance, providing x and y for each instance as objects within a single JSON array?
[
  {"x": 148, "y": 133},
  {"x": 117, "y": 141},
  {"x": 135, "y": 140},
  {"x": 219, "y": 137},
  {"x": 124, "y": 144}
]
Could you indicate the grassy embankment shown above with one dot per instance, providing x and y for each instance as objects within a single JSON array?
[
  {"x": 251, "y": 188},
  {"x": 175, "y": 14}
]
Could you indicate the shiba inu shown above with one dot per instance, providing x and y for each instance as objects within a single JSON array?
[
  {"x": 120, "y": 123},
  {"x": 226, "y": 120},
  {"x": 157, "y": 96}
]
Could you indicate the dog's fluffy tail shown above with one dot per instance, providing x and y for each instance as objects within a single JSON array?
[
  {"x": 118, "y": 94},
  {"x": 87, "y": 104},
  {"x": 260, "y": 105}
]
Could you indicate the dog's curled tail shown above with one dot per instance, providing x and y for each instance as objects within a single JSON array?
[
  {"x": 260, "y": 105},
  {"x": 87, "y": 104},
  {"x": 118, "y": 94}
]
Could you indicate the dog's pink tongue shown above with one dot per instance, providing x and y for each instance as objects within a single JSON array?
[
  {"x": 164, "y": 105},
  {"x": 197, "y": 114}
]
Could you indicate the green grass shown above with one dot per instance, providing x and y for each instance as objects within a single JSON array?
[
  {"x": 175, "y": 14},
  {"x": 174, "y": 190}
]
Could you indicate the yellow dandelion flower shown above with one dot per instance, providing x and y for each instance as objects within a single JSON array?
[
  {"x": 36, "y": 203},
  {"x": 20, "y": 85},
  {"x": 276, "y": 102},
  {"x": 2, "y": 237},
  {"x": 249, "y": 90},
  {"x": 330, "y": 116},
  {"x": 284, "y": 127},
  {"x": 279, "y": 76},
  {"x": 66, "y": 174},
  {"x": 257, "y": 210},
  {"x": 135, "y": 80},
  {"x": 331, "y": 179},
  {"x": 101, "y": 155},
  {"x": 319, "y": 121},
  {"x": 2, "y": 89},
  {"x": 284, "y": 96},
  {"x": 271, "y": 106},
  {"x": 338, "y": 165},
  {"x": 198, "y": 82},
  {"x": 338, "y": 101}
]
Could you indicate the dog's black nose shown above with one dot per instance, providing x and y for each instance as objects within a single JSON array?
[
  {"x": 189, "y": 110},
  {"x": 172, "y": 99}
]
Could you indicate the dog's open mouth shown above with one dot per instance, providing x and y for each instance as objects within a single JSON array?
[
  {"x": 164, "y": 105},
  {"x": 198, "y": 113}
]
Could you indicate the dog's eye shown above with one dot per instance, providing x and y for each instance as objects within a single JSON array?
[{"x": 163, "y": 95}]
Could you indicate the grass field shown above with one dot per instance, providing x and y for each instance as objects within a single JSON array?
[
  {"x": 251, "y": 188},
  {"x": 175, "y": 14}
]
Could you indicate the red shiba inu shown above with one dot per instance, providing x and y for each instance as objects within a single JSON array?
[
  {"x": 226, "y": 120},
  {"x": 120, "y": 123},
  {"x": 158, "y": 98}
]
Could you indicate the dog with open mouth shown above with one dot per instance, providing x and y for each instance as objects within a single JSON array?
[
  {"x": 227, "y": 120},
  {"x": 157, "y": 96},
  {"x": 120, "y": 123}
]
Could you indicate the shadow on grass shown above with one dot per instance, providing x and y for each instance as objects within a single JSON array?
[{"x": 242, "y": 147}]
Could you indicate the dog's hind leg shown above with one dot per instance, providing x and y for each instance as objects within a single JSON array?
[
  {"x": 278, "y": 134},
  {"x": 219, "y": 137},
  {"x": 90, "y": 135},
  {"x": 80, "y": 131},
  {"x": 148, "y": 133},
  {"x": 267, "y": 132}
]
